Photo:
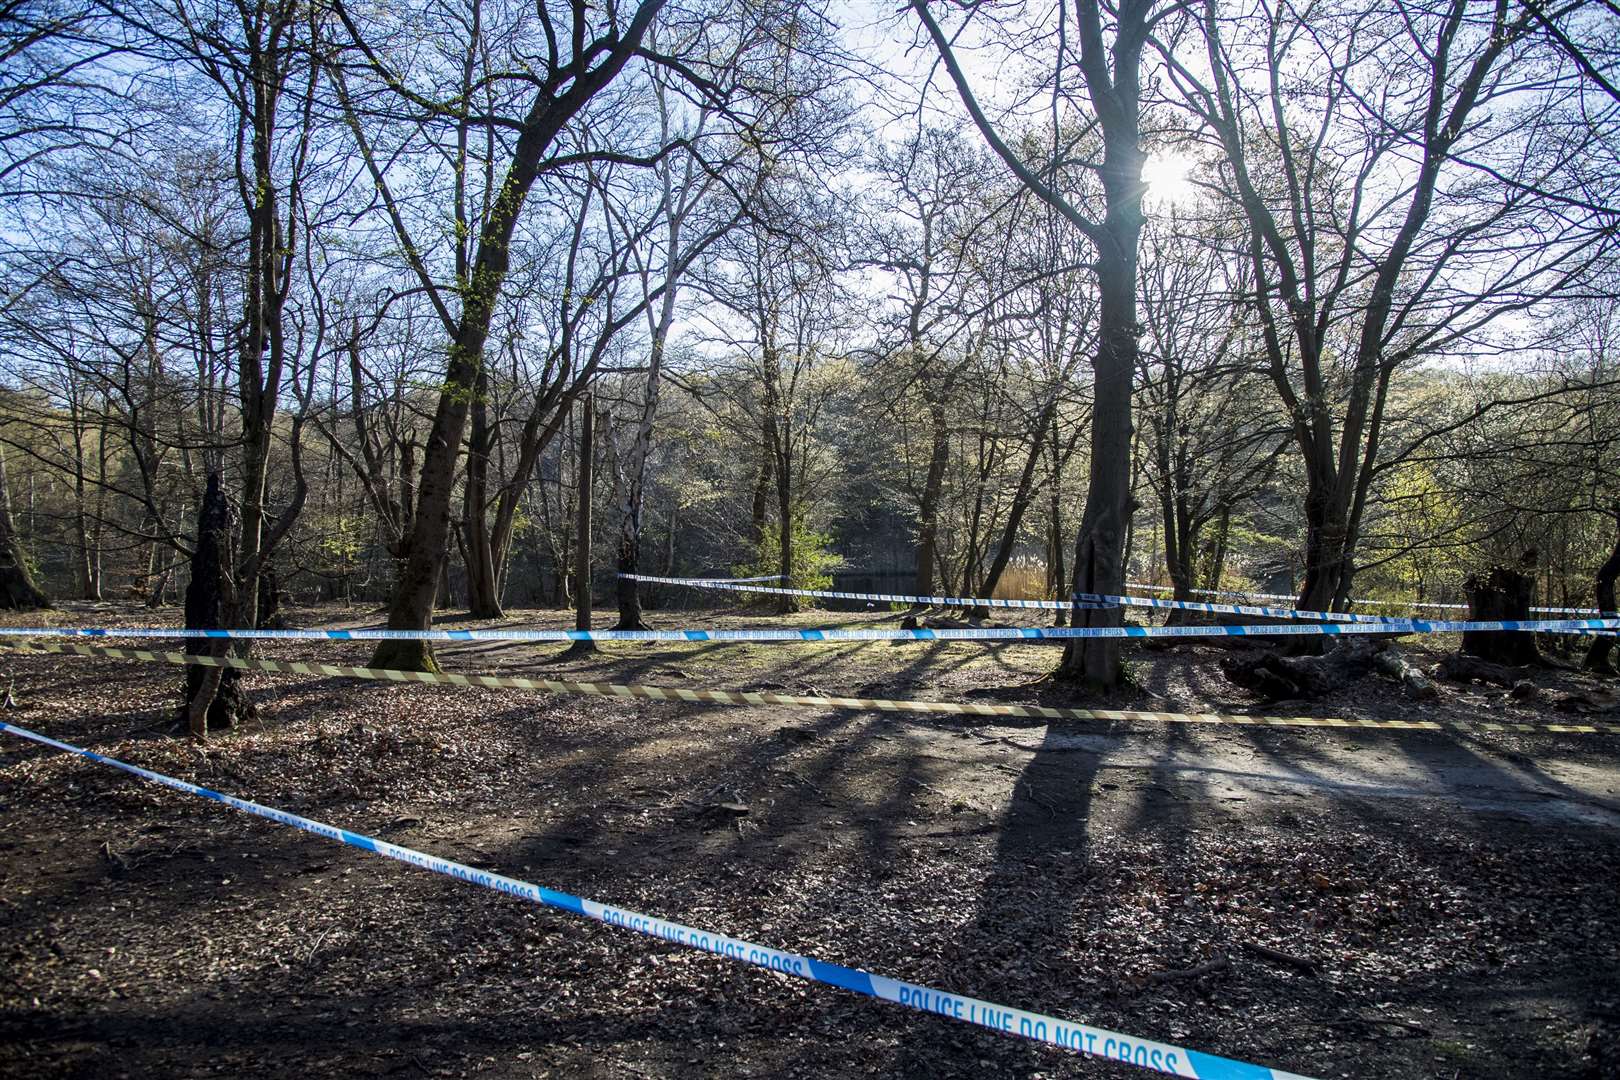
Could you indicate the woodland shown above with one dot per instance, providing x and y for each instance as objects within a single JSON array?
[
  {"x": 1007, "y": 299},
  {"x": 466, "y": 313}
]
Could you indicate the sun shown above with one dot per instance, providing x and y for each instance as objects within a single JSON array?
[{"x": 1166, "y": 175}]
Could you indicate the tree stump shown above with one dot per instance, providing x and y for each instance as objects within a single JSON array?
[
  {"x": 1501, "y": 592},
  {"x": 215, "y": 698}
]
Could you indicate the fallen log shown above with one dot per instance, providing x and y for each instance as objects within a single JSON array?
[
  {"x": 1459, "y": 667},
  {"x": 1393, "y": 663},
  {"x": 1277, "y": 677}
]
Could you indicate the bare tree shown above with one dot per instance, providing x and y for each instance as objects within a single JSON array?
[
  {"x": 580, "y": 60},
  {"x": 1385, "y": 228},
  {"x": 1109, "y": 62}
]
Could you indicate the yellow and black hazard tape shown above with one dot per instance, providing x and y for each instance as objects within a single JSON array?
[{"x": 751, "y": 697}]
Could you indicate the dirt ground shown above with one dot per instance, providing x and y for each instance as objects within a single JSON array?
[{"x": 1453, "y": 895}]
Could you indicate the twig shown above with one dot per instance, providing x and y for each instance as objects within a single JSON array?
[
  {"x": 1029, "y": 791},
  {"x": 1219, "y": 962},
  {"x": 1298, "y": 963},
  {"x": 1417, "y": 1030}
]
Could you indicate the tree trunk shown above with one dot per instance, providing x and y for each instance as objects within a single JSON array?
[
  {"x": 1326, "y": 549},
  {"x": 214, "y": 698},
  {"x": 269, "y": 611},
  {"x": 928, "y": 509},
  {"x": 1059, "y": 580},
  {"x": 1179, "y": 560},
  {"x": 1598, "y": 655},
  {"x": 628, "y": 591},
  {"x": 17, "y": 589},
  {"x": 785, "y": 604},
  {"x": 762, "y": 495},
  {"x": 582, "y": 527},
  {"x": 669, "y": 545},
  {"x": 483, "y": 592},
  {"x": 1099, "y": 563},
  {"x": 1022, "y": 496},
  {"x": 1215, "y": 561},
  {"x": 1502, "y": 593}
]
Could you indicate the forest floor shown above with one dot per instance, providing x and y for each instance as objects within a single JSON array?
[{"x": 1454, "y": 894}]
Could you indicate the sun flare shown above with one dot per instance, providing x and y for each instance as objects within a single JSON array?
[{"x": 1167, "y": 176}]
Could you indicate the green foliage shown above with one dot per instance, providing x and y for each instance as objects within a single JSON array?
[
  {"x": 813, "y": 557},
  {"x": 341, "y": 540}
]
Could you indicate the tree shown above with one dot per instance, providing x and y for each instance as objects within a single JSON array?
[
  {"x": 1385, "y": 227},
  {"x": 579, "y": 62},
  {"x": 17, "y": 589},
  {"x": 779, "y": 319},
  {"x": 1110, "y": 70},
  {"x": 1207, "y": 447},
  {"x": 935, "y": 236}
]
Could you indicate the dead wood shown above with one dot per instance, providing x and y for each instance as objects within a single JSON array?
[
  {"x": 1458, "y": 667},
  {"x": 1393, "y": 663},
  {"x": 1217, "y": 963},
  {"x": 1275, "y": 956},
  {"x": 1277, "y": 677}
]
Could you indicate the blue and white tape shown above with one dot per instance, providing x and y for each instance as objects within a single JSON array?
[
  {"x": 745, "y": 585},
  {"x": 1367, "y": 602},
  {"x": 761, "y": 577},
  {"x": 764, "y": 634},
  {"x": 1239, "y": 609},
  {"x": 1081, "y": 600},
  {"x": 1085, "y": 600},
  {"x": 1092, "y": 1041}
]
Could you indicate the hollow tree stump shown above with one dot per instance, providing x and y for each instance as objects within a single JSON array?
[{"x": 1501, "y": 592}]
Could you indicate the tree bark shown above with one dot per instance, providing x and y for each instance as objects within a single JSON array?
[
  {"x": 483, "y": 595},
  {"x": 628, "y": 590},
  {"x": 1099, "y": 564},
  {"x": 1501, "y": 593},
  {"x": 784, "y": 511},
  {"x": 215, "y": 698},
  {"x": 761, "y": 501}
]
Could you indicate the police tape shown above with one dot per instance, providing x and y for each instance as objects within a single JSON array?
[
  {"x": 746, "y": 585},
  {"x": 764, "y": 634},
  {"x": 1369, "y": 602},
  {"x": 761, "y": 577},
  {"x": 1238, "y": 609},
  {"x": 801, "y": 701},
  {"x": 1088, "y": 1040},
  {"x": 1081, "y": 600}
]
